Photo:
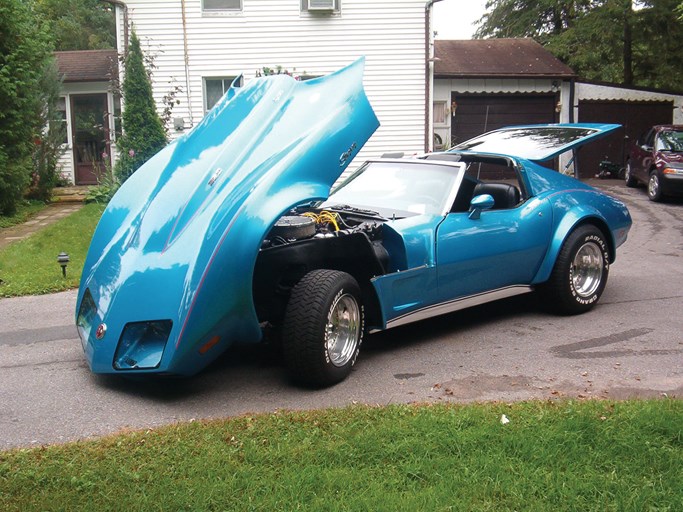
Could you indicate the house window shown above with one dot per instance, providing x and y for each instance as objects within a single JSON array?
[
  {"x": 214, "y": 6},
  {"x": 59, "y": 123},
  {"x": 214, "y": 89},
  {"x": 439, "y": 110},
  {"x": 320, "y": 6}
]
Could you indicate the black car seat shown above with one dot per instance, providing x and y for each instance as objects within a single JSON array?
[{"x": 504, "y": 195}]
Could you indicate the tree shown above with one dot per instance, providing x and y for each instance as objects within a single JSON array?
[
  {"x": 25, "y": 54},
  {"x": 50, "y": 143},
  {"x": 539, "y": 19},
  {"x": 78, "y": 24},
  {"x": 606, "y": 40},
  {"x": 143, "y": 133}
]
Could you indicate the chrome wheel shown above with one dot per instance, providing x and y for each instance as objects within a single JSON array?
[
  {"x": 342, "y": 330},
  {"x": 653, "y": 187},
  {"x": 323, "y": 327},
  {"x": 587, "y": 268}
]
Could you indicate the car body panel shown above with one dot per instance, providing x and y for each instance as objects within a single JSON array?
[
  {"x": 179, "y": 239},
  {"x": 512, "y": 241},
  {"x": 538, "y": 143}
]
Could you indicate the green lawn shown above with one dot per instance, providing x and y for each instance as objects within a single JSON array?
[
  {"x": 583, "y": 456},
  {"x": 29, "y": 267}
]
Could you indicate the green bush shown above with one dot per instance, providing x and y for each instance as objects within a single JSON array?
[
  {"x": 143, "y": 132},
  {"x": 24, "y": 54}
]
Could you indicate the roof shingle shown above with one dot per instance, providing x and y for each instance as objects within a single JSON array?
[
  {"x": 499, "y": 58},
  {"x": 87, "y": 65}
]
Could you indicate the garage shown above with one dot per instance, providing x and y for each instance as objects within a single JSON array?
[
  {"x": 635, "y": 116},
  {"x": 473, "y": 115}
]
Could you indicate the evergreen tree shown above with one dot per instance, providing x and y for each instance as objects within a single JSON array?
[
  {"x": 143, "y": 133},
  {"x": 605, "y": 40},
  {"x": 24, "y": 57}
]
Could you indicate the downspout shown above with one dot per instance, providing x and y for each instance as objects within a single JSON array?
[
  {"x": 124, "y": 7},
  {"x": 186, "y": 55},
  {"x": 112, "y": 126},
  {"x": 572, "y": 93},
  {"x": 428, "y": 74}
]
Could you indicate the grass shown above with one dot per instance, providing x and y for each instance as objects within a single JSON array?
[
  {"x": 29, "y": 267},
  {"x": 25, "y": 210},
  {"x": 592, "y": 455}
]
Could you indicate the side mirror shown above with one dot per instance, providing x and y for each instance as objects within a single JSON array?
[{"x": 480, "y": 203}]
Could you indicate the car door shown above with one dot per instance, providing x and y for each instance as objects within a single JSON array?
[
  {"x": 641, "y": 155},
  {"x": 499, "y": 249}
]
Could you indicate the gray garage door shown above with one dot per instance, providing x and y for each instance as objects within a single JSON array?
[
  {"x": 477, "y": 114},
  {"x": 634, "y": 116}
]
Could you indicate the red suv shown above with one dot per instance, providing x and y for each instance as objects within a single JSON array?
[{"x": 657, "y": 161}]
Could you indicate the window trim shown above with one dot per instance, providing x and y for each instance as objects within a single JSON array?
[
  {"x": 303, "y": 5},
  {"x": 223, "y": 11}
]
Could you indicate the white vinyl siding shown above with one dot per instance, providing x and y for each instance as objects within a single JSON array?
[{"x": 271, "y": 33}]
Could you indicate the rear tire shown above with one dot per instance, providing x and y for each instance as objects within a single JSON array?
[
  {"x": 323, "y": 328},
  {"x": 580, "y": 273}
]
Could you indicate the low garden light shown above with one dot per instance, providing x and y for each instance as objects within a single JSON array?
[{"x": 63, "y": 260}]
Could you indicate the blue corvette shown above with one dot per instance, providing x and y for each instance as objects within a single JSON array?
[{"x": 231, "y": 231}]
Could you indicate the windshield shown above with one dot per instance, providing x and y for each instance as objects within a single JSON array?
[
  {"x": 532, "y": 143},
  {"x": 670, "y": 141},
  {"x": 398, "y": 188}
]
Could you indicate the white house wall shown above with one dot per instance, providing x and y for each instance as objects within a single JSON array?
[{"x": 271, "y": 33}]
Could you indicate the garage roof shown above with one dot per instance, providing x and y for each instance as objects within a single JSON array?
[
  {"x": 87, "y": 65},
  {"x": 496, "y": 58}
]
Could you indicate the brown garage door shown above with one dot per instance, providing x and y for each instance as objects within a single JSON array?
[
  {"x": 634, "y": 116},
  {"x": 477, "y": 114}
]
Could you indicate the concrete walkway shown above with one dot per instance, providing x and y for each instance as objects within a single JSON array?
[{"x": 49, "y": 215}]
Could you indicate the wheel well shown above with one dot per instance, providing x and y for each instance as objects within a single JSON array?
[
  {"x": 279, "y": 269},
  {"x": 606, "y": 233}
]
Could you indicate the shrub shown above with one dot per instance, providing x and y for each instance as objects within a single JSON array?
[{"x": 24, "y": 55}]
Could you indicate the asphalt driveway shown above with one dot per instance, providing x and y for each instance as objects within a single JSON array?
[{"x": 631, "y": 345}]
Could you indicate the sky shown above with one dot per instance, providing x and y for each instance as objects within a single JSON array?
[{"x": 453, "y": 19}]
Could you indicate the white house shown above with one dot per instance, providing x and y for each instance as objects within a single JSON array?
[{"x": 200, "y": 46}]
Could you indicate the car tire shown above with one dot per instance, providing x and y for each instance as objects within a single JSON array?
[
  {"x": 323, "y": 328},
  {"x": 630, "y": 180},
  {"x": 580, "y": 273},
  {"x": 654, "y": 187}
]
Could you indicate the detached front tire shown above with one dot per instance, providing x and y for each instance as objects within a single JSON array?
[
  {"x": 580, "y": 273},
  {"x": 323, "y": 328}
]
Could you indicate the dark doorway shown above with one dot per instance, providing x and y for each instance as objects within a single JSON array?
[
  {"x": 635, "y": 116},
  {"x": 477, "y": 114},
  {"x": 90, "y": 129}
]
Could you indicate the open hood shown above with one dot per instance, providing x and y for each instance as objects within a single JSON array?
[
  {"x": 537, "y": 143},
  {"x": 178, "y": 242}
]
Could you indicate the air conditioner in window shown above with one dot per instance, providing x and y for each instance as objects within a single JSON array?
[{"x": 321, "y": 5}]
